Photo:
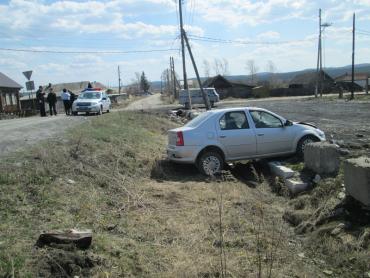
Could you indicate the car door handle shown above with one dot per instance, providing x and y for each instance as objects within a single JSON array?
[
  {"x": 223, "y": 136},
  {"x": 261, "y": 134}
]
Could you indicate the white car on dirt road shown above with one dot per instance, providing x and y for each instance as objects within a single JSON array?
[
  {"x": 231, "y": 134},
  {"x": 92, "y": 101}
]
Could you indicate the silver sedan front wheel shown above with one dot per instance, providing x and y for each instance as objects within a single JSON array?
[{"x": 210, "y": 163}]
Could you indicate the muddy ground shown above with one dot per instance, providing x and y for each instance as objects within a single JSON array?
[{"x": 345, "y": 122}]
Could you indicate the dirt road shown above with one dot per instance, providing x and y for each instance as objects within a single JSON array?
[{"x": 18, "y": 133}]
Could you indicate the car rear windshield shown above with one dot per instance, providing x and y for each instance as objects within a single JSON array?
[
  {"x": 198, "y": 120},
  {"x": 90, "y": 95}
]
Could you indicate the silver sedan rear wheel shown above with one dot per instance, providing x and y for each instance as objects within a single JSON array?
[{"x": 210, "y": 163}]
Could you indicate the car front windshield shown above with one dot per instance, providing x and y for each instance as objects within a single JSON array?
[
  {"x": 198, "y": 120},
  {"x": 90, "y": 95}
]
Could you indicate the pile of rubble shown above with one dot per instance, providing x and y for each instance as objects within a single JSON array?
[{"x": 182, "y": 116}]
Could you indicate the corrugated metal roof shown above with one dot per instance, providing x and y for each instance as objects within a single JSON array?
[{"x": 6, "y": 82}]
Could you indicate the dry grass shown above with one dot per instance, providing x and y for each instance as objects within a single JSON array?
[{"x": 150, "y": 218}]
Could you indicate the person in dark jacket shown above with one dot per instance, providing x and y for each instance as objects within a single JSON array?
[
  {"x": 66, "y": 101},
  {"x": 40, "y": 97},
  {"x": 52, "y": 100},
  {"x": 72, "y": 98}
]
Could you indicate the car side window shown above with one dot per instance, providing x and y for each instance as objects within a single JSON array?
[
  {"x": 234, "y": 120},
  {"x": 263, "y": 119}
]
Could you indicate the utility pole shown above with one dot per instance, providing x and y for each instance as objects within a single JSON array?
[
  {"x": 318, "y": 75},
  {"x": 319, "y": 70},
  {"x": 204, "y": 95},
  {"x": 353, "y": 56},
  {"x": 119, "y": 81},
  {"x": 183, "y": 47},
  {"x": 182, "y": 32},
  {"x": 174, "y": 78}
]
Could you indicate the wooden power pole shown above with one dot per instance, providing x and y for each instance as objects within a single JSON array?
[
  {"x": 319, "y": 70},
  {"x": 183, "y": 47},
  {"x": 318, "y": 75},
  {"x": 119, "y": 81},
  {"x": 353, "y": 57},
  {"x": 183, "y": 40},
  {"x": 204, "y": 95},
  {"x": 173, "y": 77}
]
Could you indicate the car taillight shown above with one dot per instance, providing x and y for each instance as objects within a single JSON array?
[{"x": 180, "y": 139}]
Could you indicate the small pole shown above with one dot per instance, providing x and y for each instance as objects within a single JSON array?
[
  {"x": 204, "y": 95},
  {"x": 353, "y": 57},
  {"x": 119, "y": 81},
  {"x": 318, "y": 58},
  {"x": 174, "y": 77}
]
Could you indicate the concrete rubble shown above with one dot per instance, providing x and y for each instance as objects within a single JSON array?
[
  {"x": 294, "y": 184},
  {"x": 322, "y": 158},
  {"x": 357, "y": 179}
]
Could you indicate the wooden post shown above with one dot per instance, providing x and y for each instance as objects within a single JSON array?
[
  {"x": 353, "y": 58},
  {"x": 204, "y": 95}
]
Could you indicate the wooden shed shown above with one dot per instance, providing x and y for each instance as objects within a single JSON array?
[
  {"x": 229, "y": 88},
  {"x": 307, "y": 82},
  {"x": 9, "y": 95}
]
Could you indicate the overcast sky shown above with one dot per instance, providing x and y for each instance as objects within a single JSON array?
[{"x": 285, "y": 30}]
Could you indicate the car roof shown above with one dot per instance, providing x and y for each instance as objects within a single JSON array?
[{"x": 223, "y": 110}]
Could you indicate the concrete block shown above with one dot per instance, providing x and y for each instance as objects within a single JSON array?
[
  {"x": 357, "y": 179},
  {"x": 280, "y": 170},
  {"x": 322, "y": 158},
  {"x": 296, "y": 186}
]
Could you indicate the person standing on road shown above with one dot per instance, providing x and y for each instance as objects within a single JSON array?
[
  {"x": 66, "y": 101},
  {"x": 40, "y": 97},
  {"x": 52, "y": 100}
]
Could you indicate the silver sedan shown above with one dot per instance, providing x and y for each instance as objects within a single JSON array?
[{"x": 231, "y": 134}]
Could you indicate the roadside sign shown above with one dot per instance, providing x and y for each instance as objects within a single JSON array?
[
  {"x": 30, "y": 85},
  {"x": 27, "y": 74}
]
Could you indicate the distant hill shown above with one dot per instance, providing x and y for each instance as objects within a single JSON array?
[{"x": 286, "y": 76}]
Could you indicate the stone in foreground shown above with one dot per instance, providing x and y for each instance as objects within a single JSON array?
[
  {"x": 357, "y": 179},
  {"x": 280, "y": 170},
  {"x": 322, "y": 158},
  {"x": 296, "y": 186},
  {"x": 82, "y": 239}
]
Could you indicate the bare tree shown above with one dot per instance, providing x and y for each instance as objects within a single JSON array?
[
  {"x": 271, "y": 68},
  {"x": 221, "y": 66},
  {"x": 225, "y": 67},
  {"x": 206, "y": 68},
  {"x": 217, "y": 66},
  {"x": 252, "y": 69}
]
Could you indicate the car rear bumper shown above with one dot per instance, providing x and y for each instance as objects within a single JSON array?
[{"x": 182, "y": 154}]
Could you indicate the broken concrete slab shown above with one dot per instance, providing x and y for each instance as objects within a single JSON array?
[
  {"x": 280, "y": 170},
  {"x": 322, "y": 158},
  {"x": 357, "y": 179},
  {"x": 296, "y": 186}
]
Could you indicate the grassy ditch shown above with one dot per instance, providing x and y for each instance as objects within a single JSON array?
[{"x": 149, "y": 218}]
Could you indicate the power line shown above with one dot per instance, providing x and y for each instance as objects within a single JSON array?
[
  {"x": 218, "y": 40},
  {"x": 363, "y": 31},
  {"x": 87, "y": 52}
]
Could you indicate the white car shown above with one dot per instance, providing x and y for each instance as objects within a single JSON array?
[
  {"x": 92, "y": 101},
  {"x": 231, "y": 134}
]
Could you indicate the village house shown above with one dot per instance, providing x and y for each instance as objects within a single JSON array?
[
  {"x": 9, "y": 95},
  {"x": 345, "y": 81},
  {"x": 307, "y": 81},
  {"x": 228, "y": 88}
]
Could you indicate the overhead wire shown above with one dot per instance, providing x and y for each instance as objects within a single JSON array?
[
  {"x": 87, "y": 52},
  {"x": 226, "y": 41}
]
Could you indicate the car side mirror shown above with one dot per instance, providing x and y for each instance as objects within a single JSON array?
[
  {"x": 288, "y": 123},
  {"x": 104, "y": 98}
]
